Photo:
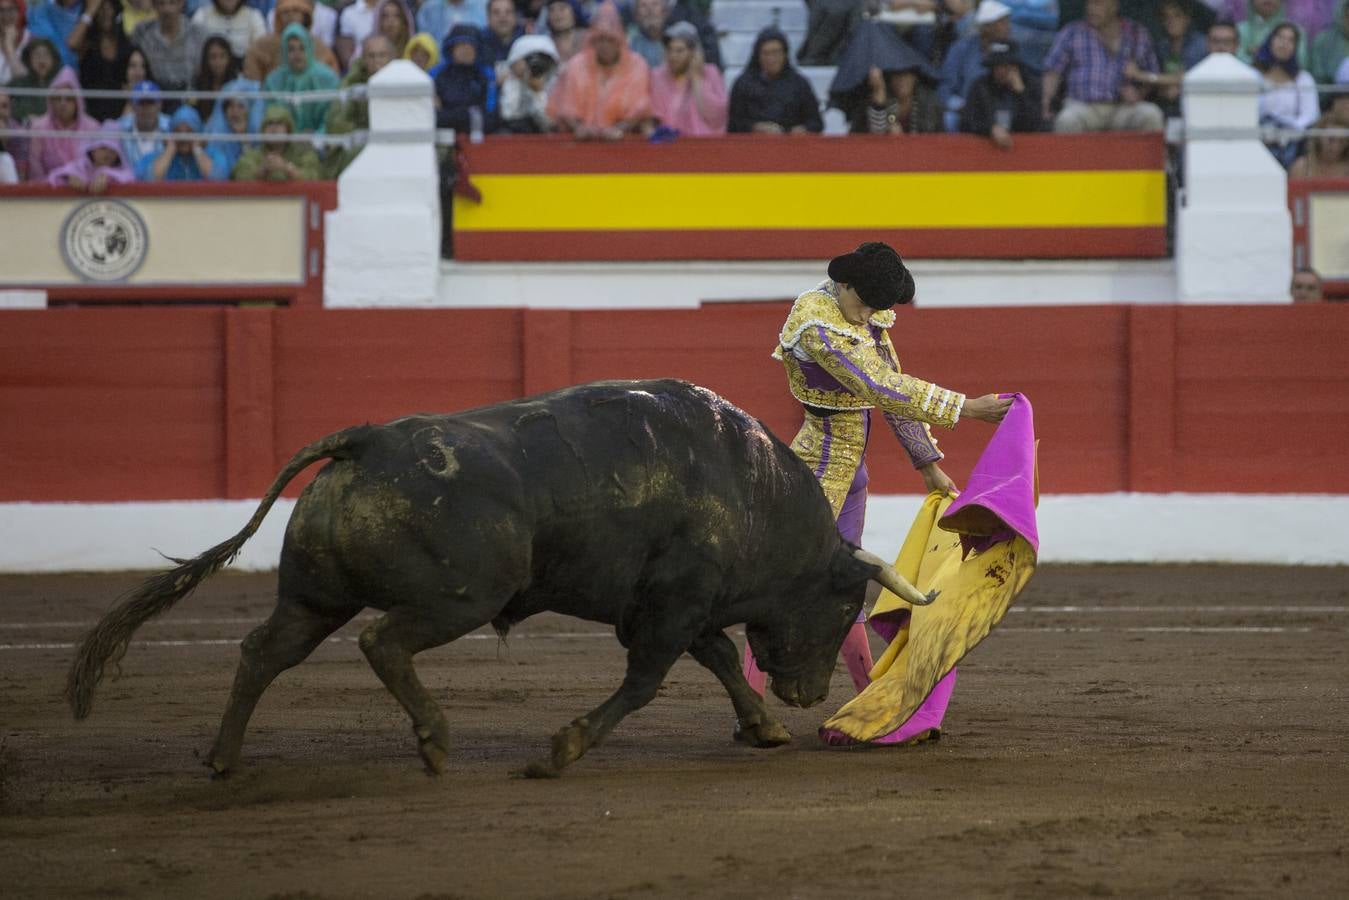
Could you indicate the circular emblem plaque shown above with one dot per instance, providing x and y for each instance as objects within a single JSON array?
[{"x": 104, "y": 240}]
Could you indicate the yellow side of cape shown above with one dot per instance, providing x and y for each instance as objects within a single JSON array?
[{"x": 975, "y": 594}]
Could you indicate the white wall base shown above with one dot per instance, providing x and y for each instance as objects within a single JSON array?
[
  {"x": 23, "y": 299},
  {"x": 684, "y": 285},
  {"x": 1141, "y": 528}
]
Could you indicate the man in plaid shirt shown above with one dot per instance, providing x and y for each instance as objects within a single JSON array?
[{"x": 1093, "y": 54}]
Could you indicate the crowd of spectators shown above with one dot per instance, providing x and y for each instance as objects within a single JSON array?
[{"x": 600, "y": 70}]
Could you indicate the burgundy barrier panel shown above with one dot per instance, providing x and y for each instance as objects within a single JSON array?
[{"x": 117, "y": 404}]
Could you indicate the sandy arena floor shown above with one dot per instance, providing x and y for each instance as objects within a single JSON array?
[{"x": 1127, "y": 732}]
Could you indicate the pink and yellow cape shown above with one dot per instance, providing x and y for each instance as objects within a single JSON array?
[{"x": 978, "y": 551}]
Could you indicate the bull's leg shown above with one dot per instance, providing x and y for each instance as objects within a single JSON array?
[
  {"x": 755, "y": 725},
  {"x": 284, "y": 640},
  {"x": 389, "y": 644},
  {"x": 647, "y": 668}
]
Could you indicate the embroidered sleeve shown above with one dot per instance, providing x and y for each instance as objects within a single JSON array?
[
  {"x": 859, "y": 368},
  {"x": 916, "y": 439}
]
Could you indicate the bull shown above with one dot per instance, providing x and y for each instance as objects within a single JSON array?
[{"x": 655, "y": 507}]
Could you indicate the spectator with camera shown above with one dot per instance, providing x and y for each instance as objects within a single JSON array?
[
  {"x": 964, "y": 62},
  {"x": 531, "y": 72},
  {"x": 604, "y": 91},
  {"x": 687, "y": 92},
  {"x": 1004, "y": 100}
]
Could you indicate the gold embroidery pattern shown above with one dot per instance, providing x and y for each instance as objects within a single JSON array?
[
  {"x": 926, "y": 402},
  {"x": 818, "y": 308},
  {"x": 844, "y": 434}
]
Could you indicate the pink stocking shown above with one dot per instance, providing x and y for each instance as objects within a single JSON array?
[
  {"x": 756, "y": 677},
  {"x": 856, "y": 655}
]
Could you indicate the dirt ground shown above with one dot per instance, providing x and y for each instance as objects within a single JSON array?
[{"x": 1127, "y": 732}]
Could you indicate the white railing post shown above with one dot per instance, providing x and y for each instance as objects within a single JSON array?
[
  {"x": 382, "y": 243},
  {"x": 1234, "y": 238}
]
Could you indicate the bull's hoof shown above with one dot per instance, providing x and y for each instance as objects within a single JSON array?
[
  {"x": 433, "y": 752},
  {"x": 220, "y": 769},
  {"x": 762, "y": 734},
  {"x": 569, "y": 744},
  {"x": 542, "y": 769}
]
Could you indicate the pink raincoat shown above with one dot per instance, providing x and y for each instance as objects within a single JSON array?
[
  {"x": 47, "y": 154},
  {"x": 601, "y": 97}
]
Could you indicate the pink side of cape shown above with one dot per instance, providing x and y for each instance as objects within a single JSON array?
[{"x": 1003, "y": 480}]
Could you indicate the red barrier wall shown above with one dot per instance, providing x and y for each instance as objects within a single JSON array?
[{"x": 139, "y": 404}]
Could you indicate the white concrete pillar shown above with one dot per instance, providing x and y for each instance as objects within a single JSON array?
[
  {"x": 382, "y": 246},
  {"x": 1234, "y": 238}
]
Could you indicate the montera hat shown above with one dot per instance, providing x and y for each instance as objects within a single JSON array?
[{"x": 876, "y": 272}]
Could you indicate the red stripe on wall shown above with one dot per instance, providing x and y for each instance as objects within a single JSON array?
[
  {"x": 543, "y": 155},
  {"x": 926, "y": 243}
]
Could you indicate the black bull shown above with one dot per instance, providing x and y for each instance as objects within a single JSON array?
[{"x": 655, "y": 507}]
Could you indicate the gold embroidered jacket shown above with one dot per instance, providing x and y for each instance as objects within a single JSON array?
[{"x": 833, "y": 364}]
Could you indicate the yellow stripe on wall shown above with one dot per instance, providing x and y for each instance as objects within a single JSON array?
[{"x": 772, "y": 200}]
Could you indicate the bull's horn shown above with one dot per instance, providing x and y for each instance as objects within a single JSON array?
[{"x": 887, "y": 577}]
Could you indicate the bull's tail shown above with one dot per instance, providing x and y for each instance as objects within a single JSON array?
[{"x": 107, "y": 642}]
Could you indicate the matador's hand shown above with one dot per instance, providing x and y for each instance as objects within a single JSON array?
[
  {"x": 988, "y": 408},
  {"x": 934, "y": 479}
]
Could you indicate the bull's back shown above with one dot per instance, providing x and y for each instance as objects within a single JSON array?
[{"x": 583, "y": 490}]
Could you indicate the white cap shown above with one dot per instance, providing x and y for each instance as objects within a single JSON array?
[
  {"x": 526, "y": 44},
  {"x": 990, "y": 11}
]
